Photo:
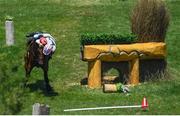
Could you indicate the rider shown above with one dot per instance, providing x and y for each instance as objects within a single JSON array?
[{"x": 45, "y": 40}]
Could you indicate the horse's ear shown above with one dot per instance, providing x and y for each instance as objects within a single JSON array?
[
  {"x": 30, "y": 34},
  {"x": 33, "y": 33},
  {"x": 29, "y": 39},
  {"x": 27, "y": 35}
]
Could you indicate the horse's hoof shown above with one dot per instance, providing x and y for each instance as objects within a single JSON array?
[
  {"x": 24, "y": 85},
  {"x": 49, "y": 88}
]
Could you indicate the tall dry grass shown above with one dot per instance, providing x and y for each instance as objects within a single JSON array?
[{"x": 150, "y": 20}]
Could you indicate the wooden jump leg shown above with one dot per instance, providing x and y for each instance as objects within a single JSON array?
[
  {"x": 134, "y": 71},
  {"x": 94, "y": 74}
]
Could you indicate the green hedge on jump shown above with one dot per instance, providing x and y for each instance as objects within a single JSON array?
[{"x": 92, "y": 39}]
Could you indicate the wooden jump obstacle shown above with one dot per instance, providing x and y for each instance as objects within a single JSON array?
[{"x": 95, "y": 54}]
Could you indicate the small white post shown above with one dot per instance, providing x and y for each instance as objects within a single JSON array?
[
  {"x": 9, "y": 26},
  {"x": 40, "y": 109}
]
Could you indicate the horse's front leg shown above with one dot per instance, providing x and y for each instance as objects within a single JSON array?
[
  {"x": 28, "y": 68},
  {"x": 45, "y": 69},
  {"x": 47, "y": 85}
]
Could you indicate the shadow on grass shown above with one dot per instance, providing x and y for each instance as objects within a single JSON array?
[{"x": 39, "y": 85}]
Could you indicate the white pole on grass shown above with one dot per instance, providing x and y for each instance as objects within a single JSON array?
[
  {"x": 144, "y": 106},
  {"x": 97, "y": 108}
]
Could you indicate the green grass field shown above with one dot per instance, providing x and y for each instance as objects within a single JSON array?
[{"x": 66, "y": 20}]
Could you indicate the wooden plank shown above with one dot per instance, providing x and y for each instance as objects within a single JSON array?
[{"x": 125, "y": 52}]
